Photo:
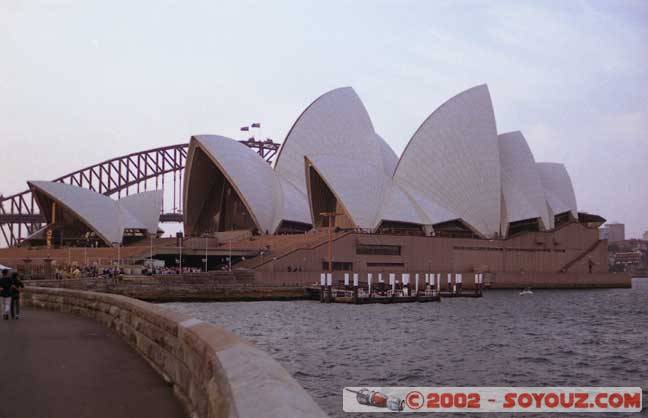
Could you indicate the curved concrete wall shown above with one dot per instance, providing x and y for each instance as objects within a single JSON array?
[{"x": 213, "y": 372}]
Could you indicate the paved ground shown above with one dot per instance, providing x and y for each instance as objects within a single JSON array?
[{"x": 55, "y": 365}]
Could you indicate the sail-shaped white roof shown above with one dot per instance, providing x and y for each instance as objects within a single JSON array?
[
  {"x": 451, "y": 166},
  {"x": 107, "y": 217},
  {"x": 524, "y": 196},
  {"x": 455, "y": 167},
  {"x": 335, "y": 133},
  {"x": 145, "y": 208},
  {"x": 251, "y": 177},
  {"x": 559, "y": 191}
]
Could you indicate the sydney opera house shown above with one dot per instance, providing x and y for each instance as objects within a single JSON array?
[
  {"x": 457, "y": 177},
  {"x": 461, "y": 197}
]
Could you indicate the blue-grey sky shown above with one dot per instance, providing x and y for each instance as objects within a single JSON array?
[{"x": 82, "y": 81}]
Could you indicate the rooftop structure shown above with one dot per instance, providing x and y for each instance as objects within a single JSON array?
[
  {"x": 456, "y": 177},
  {"x": 81, "y": 216}
]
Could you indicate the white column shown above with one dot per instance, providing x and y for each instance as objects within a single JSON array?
[
  {"x": 323, "y": 279},
  {"x": 416, "y": 278},
  {"x": 369, "y": 277},
  {"x": 355, "y": 279},
  {"x": 449, "y": 280},
  {"x": 380, "y": 279},
  {"x": 427, "y": 278},
  {"x": 438, "y": 281},
  {"x": 346, "y": 279},
  {"x": 458, "y": 278},
  {"x": 392, "y": 281},
  {"x": 329, "y": 279},
  {"x": 406, "y": 279}
]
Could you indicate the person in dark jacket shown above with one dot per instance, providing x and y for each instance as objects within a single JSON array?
[
  {"x": 5, "y": 293},
  {"x": 15, "y": 285}
]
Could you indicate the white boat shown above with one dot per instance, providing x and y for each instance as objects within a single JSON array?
[{"x": 526, "y": 291}]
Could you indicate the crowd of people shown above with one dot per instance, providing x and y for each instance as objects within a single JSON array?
[
  {"x": 74, "y": 272},
  {"x": 10, "y": 286}
]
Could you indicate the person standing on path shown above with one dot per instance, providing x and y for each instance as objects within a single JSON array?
[
  {"x": 15, "y": 285},
  {"x": 5, "y": 293}
]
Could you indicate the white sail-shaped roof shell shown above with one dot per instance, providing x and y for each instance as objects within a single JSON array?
[
  {"x": 522, "y": 190},
  {"x": 335, "y": 133},
  {"x": 145, "y": 208},
  {"x": 451, "y": 166},
  {"x": 251, "y": 177},
  {"x": 559, "y": 191},
  {"x": 358, "y": 186},
  {"x": 107, "y": 217}
]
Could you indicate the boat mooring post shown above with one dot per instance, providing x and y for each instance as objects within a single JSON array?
[
  {"x": 405, "y": 280},
  {"x": 322, "y": 286},
  {"x": 329, "y": 288}
]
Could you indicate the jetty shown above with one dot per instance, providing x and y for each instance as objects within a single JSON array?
[{"x": 395, "y": 291}]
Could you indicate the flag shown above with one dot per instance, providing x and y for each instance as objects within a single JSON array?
[
  {"x": 256, "y": 125},
  {"x": 245, "y": 128}
]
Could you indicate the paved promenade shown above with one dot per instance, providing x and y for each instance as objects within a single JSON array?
[{"x": 59, "y": 365}]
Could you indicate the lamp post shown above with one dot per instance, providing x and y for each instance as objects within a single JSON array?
[
  {"x": 331, "y": 217},
  {"x": 206, "y": 245},
  {"x": 151, "y": 253},
  {"x": 118, "y": 245}
]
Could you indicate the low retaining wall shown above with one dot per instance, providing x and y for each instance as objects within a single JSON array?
[
  {"x": 213, "y": 372},
  {"x": 177, "y": 289}
]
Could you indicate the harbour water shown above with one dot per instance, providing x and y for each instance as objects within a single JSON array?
[{"x": 550, "y": 338}]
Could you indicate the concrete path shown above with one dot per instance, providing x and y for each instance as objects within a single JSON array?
[{"x": 55, "y": 365}]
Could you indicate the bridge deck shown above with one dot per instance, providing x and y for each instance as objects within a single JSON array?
[{"x": 60, "y": 365}]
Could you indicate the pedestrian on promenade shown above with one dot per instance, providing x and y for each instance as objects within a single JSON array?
[
  {"x": 15, "y": 285},
  {"x": 5, "y": 293}
]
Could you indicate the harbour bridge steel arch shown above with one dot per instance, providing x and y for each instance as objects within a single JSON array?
[{"x": 132, "y": 173}]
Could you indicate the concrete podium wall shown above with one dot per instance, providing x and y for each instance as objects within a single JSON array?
[{"x": 212, "y": 371}]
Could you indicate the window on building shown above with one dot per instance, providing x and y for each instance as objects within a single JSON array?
[
  {"x": 368, "y": 249},
  {"x": 338, "y": 266},
  {"x": 385, "y": 264}
]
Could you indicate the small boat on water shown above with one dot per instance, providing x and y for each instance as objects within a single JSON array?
[{"x": 526, "y": 291}]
